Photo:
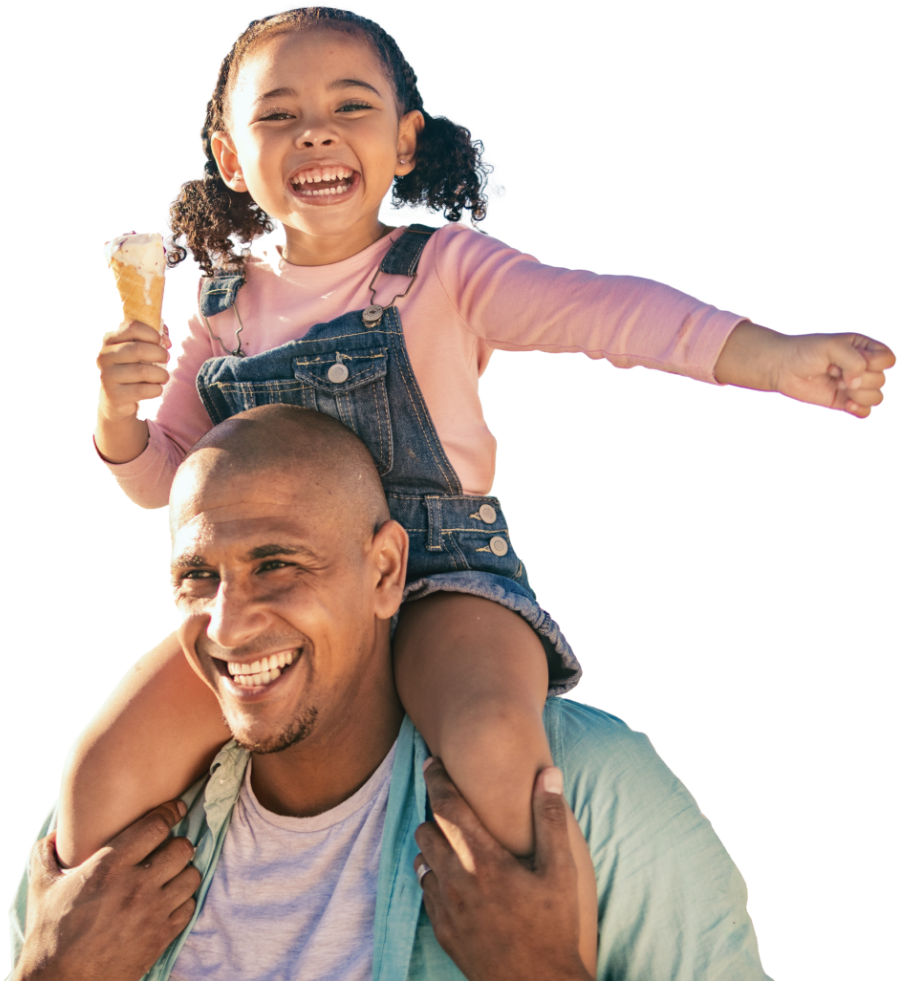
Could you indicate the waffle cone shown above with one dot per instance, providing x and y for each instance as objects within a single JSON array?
[{"x": 142, "y": 297}]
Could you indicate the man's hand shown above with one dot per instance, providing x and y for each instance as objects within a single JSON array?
[
  {"x": 110, "y": 918},
  {"x": 497, "y": 917}
]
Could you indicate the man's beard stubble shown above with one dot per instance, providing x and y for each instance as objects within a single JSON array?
[{"x": 294, "y": 732}]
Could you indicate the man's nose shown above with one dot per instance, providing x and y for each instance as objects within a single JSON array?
[{"x": 235, "y": 617}]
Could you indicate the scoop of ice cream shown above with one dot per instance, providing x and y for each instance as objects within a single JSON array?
[
  {"x": 139, "y": 264},
  {"x": 145, "y": 252}
]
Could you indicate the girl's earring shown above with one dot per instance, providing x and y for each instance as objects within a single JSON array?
[{"x": 403, "y": 160}]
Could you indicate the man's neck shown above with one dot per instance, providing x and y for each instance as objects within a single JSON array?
[{"x": 321, "y": 771}]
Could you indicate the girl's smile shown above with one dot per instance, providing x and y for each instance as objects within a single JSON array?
[
  {"x": 314, "y": 137},
  {"x": 338, "y": 184}
]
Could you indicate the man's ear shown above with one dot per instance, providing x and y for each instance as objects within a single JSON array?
[{"x": 390, "y": 547}]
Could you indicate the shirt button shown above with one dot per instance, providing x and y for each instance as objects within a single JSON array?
[
  {"x": 338, "y": 373},
  {"x": 498, "y": 545},
  {"x": 488, "y": 514}
]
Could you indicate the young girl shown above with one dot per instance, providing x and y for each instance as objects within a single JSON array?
[{"x": 316, "y": 115}]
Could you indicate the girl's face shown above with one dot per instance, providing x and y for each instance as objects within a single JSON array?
[{"x": 314, "y": 136}]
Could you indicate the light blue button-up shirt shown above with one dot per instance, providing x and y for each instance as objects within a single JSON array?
[{"x": 671, "y": 903}]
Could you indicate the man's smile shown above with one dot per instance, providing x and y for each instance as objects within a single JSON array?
[
  {"x": 256, "y": 680},
  {"x": 258, "y": 673}
]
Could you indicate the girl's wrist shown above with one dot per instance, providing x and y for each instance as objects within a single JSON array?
[
  {"x": 749, "y": 358},
  {"x": 120, "y": 441}
]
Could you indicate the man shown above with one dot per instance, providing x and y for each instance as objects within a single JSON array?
[{"x": 305, "y": 848}]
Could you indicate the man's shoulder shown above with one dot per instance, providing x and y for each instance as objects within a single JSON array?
[
  {"x": 583, "y": 730},
  {"x": 600, "y": 752}
]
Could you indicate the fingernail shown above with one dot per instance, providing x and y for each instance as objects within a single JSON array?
[
  {"x": 182, "y": 808},
  {"x": 427, "y": 762},
  {"x": 552, "y": 780}
]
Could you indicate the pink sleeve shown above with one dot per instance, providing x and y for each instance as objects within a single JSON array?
[
  {"x": 514, "y": 303},
  {"x": 180, "y": 421}
]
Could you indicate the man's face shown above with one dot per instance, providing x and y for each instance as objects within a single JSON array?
[{"x": 280, "y": 605}]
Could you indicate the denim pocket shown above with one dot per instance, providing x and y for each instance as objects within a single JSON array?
[{"x": 350, "y": 386}]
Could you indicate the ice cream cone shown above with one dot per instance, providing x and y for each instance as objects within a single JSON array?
[
  {"x": 141, "y": 295},
  {"x": 139, "y": 262}
]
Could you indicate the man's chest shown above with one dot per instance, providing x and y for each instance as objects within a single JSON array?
[{"x": 290, "y": 898}]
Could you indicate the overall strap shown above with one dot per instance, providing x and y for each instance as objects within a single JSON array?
[
  {"x": 219, "y": 291},
  {"x": 403, "y": 256}
]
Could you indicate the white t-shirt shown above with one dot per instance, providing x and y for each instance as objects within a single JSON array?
[{"x": 293, "y": 899}]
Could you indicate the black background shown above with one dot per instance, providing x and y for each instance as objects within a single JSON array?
[{"x": 714, "y": 555}]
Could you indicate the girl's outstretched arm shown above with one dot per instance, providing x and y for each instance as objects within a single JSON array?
[{"x": 153, "y": 738}]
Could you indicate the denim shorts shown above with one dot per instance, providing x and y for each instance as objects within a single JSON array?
[{"x": 461, "y": 544}]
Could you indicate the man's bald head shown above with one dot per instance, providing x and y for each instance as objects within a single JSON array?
[{"x": 291, "y": 442}]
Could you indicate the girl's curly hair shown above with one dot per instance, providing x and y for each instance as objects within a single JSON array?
[{"x": 449, "y": 174}]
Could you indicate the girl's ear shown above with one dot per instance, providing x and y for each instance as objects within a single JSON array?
[
  {"x": 410, "y": 127},
  {"x": 227, "y": 160}
]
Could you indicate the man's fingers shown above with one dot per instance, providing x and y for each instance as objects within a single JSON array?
[
  {"x": 435, "y": 849},
  {"x": 552, "y": 849},
  {"x": 180, "y": 888},
  {"x": 461, "y": 827},
  {"x": 136, "y": 843}
]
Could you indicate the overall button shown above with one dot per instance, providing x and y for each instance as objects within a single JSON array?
[
  {"x": 488, "y": 514},
  {"x": 338, "y": 373},
  {"x": 498, "y": 545}
]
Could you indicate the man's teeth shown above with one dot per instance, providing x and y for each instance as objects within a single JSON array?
[{"x": 260, "y": 672}]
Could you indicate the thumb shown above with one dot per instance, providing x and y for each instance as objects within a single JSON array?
[
  {"x": 552, "y": 851},
  {"x": 845, "y": 354},
  {"x": 44, "y": 867}
]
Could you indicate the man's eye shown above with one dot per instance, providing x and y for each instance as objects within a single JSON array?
[
  {"x": 271, "y": 564},
  {"x": 194, "y": 575}
]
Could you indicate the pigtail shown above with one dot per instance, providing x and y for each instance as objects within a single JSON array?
[
  {"x": 449, "y": 175},
  {"x": 207, "y": 213}
]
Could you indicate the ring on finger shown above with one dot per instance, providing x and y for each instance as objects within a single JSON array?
[{"x": 423, "y": 871}]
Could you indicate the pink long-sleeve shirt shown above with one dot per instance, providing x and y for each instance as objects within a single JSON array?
[{"x": 473, "y": 295}]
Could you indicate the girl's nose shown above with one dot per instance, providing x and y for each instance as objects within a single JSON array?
[
  {"x": 312, "y": 141},
  {"x": 316, "y": 135}
]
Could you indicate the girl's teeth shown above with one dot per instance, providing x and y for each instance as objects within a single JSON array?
[{"x": 323, "y": 191}]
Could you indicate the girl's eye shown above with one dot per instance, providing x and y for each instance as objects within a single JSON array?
[
  {"x": 276, "y": 114},
  {"x": 348, "y": 107}
]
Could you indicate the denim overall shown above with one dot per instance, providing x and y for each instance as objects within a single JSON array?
[{"x": 356, "y": 369}]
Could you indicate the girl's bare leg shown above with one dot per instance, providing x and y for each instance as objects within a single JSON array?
[
  {"x": 156, "y": 734},
  {"x": 473, "y": 677}
]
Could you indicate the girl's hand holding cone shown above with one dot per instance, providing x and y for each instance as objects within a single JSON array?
[{"x": 131, "y": 368}]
